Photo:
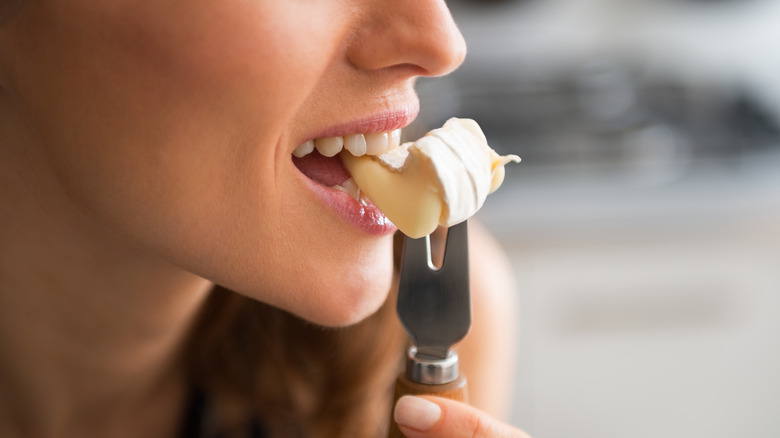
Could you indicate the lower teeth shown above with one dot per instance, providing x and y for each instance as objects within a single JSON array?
[{"x": 349, "y": 187}]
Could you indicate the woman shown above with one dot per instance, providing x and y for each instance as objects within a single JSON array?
[{"x": 146, "y": 156}]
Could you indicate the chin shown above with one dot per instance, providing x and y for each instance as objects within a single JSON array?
[
  {"x": 344, "y": 285},
  {"x": 338, "y": 293},
  {"x": 349, "y": 298}
]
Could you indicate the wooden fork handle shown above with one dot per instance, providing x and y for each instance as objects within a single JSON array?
[{"x": 455, "y": 390}]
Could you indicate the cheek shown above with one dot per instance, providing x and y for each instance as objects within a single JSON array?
[
  {"x": 173, "y": 127},
  {"x": 170, "y": 112}
]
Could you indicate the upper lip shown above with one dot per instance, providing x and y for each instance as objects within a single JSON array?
[{"x": 375, "y": 123}]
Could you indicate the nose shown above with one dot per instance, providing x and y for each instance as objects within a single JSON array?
[{"x": 411, "y": 33}]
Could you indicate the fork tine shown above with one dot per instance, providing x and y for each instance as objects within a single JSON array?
[
  {"x": 434, "y": 304},
  {"x": 416, "y": 253},
  {"x": 457, "y": 249}
]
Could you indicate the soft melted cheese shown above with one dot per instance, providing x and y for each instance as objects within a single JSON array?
[{"x": 440, "y": 179}]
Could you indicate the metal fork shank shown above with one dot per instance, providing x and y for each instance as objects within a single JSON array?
[{"x": 434, "y": 306}]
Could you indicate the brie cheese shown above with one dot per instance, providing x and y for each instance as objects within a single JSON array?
[{"x": 440, "y": 179}]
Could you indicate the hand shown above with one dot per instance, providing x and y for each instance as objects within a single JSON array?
[{"x": 434, "y": 417}]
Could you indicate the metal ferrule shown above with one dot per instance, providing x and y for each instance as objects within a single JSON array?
[{"x": 430, "y": 370}]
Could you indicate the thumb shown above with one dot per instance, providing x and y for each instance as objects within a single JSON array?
[{"x": 434, "y": 417}]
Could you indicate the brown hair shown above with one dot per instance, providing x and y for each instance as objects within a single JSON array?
[{"x": 254, "y": 361}]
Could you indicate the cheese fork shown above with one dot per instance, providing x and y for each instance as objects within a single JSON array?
[{"x": 434, "y": 306}]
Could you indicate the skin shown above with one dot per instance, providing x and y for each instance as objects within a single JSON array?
[
  {"x": 172, "y": 123},
  {"x": 145, "y": 154}
]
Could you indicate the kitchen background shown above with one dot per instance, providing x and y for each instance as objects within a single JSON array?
[{"x": 644, "y": 221}]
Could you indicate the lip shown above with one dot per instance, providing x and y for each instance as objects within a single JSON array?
[
  {"x": 363, "y": 216},
  {"x": 373, "y": 124},
  {"x": 366, "y": 217}
]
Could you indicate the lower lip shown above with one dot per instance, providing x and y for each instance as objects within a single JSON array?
[{"x": 365, "y": 217}]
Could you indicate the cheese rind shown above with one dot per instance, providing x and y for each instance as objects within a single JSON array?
[{"x": 440, "y": 179}]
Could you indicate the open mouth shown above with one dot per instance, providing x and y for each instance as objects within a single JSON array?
[{"x": 318, "y": 159}]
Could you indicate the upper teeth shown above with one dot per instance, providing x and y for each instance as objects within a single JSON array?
[{"x": 356, "y": 144}]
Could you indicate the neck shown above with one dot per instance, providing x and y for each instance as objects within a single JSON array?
[{"x": 90, "y": 327}]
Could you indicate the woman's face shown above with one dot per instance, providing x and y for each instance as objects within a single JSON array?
[{"x": 174, "y": 121}]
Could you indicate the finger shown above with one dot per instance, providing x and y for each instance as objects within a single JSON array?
[{"x": 433, "y": 417}]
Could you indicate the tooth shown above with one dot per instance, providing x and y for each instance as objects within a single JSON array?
[
  {"x": 395, "y": 139},
  {"x": 352, "y": 188},
  {"x": 304, "y": 149},
  {"x": 349, "y": 187},
  {"x": 329, "y": 146},
  {"x": 355, "y": 144},
  {"x": 376, "y": 144}
]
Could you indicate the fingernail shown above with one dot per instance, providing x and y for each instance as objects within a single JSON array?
[{"x": 416, "y": 413}]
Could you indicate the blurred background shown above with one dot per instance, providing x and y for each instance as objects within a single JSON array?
[{"x": 644, "y": 220}]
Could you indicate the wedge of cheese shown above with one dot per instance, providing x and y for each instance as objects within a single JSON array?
[{"x": 440, "y": 179}]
